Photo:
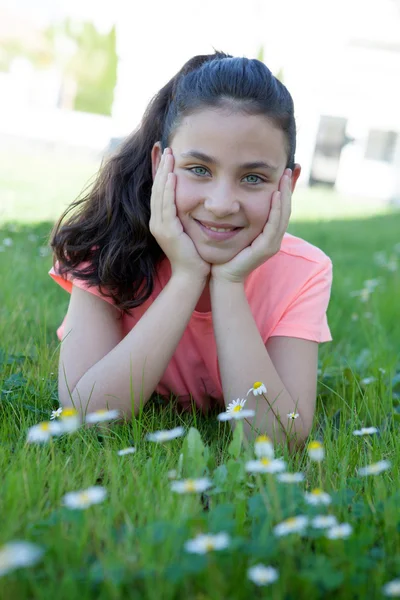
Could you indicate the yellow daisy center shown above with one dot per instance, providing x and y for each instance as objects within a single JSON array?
[
  {"x": 84, "y": 497},
  {"x": 190, "y": 485},
  {"x": 291, "y": 521},
  {"x": 237, "y": 408},
  {"x": 262, "y": 438},
  {"x": 257, "y": 385},
  {"x": 317, "y": 492},
  {"x": 69, "y": 412},
  {"x": 265, "y": 461},
  {"x": 314, "y": 445},
  {"x": 45, "y": 426},
  {"x": 209, "y": 545},
  {"x": 101, "y": 411}
]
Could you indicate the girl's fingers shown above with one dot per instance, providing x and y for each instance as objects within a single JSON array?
[
  {"x": 275, "y": 212},
  {"x": 155, "y": 191},
  {"x": 160, "y": 180},
  {"x": 168, "y": 210},
  {"x": 286, "y": 203}
]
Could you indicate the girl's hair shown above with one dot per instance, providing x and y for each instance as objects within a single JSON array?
[{"x": 110, "y": 230}]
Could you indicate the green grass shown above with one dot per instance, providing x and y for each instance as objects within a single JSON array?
[{"x": 132, "y": 544}]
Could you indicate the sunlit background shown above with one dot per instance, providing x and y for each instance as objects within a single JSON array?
[{"x": 76, "y": 76}]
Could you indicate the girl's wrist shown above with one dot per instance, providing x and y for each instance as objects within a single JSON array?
[{"x": 189, "y": 281}]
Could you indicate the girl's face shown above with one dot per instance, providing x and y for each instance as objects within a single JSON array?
[{"x": 227, "y": 166}]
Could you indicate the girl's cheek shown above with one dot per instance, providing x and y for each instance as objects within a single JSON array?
[{"x": 185, "y": 196}]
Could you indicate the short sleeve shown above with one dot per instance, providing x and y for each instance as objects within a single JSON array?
[
  {"x": 305, "y": 317},
  {"x": 66, "y": 282}
]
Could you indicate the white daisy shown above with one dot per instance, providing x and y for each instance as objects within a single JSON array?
[
  {"x": 363, "y": 294},
  {"x": 125, "y": 451},
  {"x": 70, "y": 420},
  {"x": 7, "y": 242},
  {"x": 172, "y": 474},
  {"x": 14, "y": 555},
  {"x": 375, "y": 468},
  {"x": 317, "y": 496},
  {"x": 341, "y": 531},
  {"x": 243, "y": 414},
  {"x": 236, "y": 405},
  {"x": 258, "y": 389},
  {"x": 165, "y": 435},
  {"x": 44, "y": 251},
  {"x": 191, "y": 485},
  {"x": 290, "y": 477},
  {"x": 292, "y": 525},
  {"x": 316, "y": 451},
  {"x": 293, "y": 415},
  {"x": 392, "y": 265},
  {"x": 85, "y": 498},
  {"x": 392, "y": 588},
  {"x": 324, "y": 521},
  {"x": 56, "y": 413},
  {"x": 368, "y": 380},
  {"x": 365, "y": 431},
  {"x": 204, "y": 543},
  {"x": 42, "y": 432},
  {"x": 371, "y": 284},
  {"x": 266, "y": 465},
  {"x": 262, "y": 575},
  {"x": 101, "y": 416},
  {"x": 263, "y": 447},
  {"x": 236, "y": 411}
]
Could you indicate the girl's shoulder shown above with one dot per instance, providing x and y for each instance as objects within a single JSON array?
[{"x": 297, "y": 247}]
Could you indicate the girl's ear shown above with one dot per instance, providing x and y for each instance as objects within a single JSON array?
[
  {"x": 295, "y": 175},
  {"x": 156, "y": 155}
]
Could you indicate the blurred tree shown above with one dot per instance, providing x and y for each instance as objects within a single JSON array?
[
  {"x": 279, "y": 75},
  {"x": 88, "y": 61}
]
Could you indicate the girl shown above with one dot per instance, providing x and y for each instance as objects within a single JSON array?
[{"x": 181, "y": 273}]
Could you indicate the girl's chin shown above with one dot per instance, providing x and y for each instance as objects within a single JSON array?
[{"x": 214, "y": 257}]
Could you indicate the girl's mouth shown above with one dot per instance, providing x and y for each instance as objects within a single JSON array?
[{"x": 218, "y": 235}]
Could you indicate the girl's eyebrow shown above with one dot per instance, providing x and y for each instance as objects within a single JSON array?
[{"x": 209, "y": 159}]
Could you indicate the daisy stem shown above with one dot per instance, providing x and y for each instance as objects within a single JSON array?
[
  {"x": 277, "y": 417},
  {"x": 274, "y": 494},
  {"x": 259, "y": 480},
  {"x": 51, "y": 444},
  {"x": 320, "y": 475},
  {"x": 252, "y": 427}
]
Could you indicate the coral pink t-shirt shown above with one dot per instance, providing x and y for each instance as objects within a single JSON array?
[{"x": 288, "y": 296}]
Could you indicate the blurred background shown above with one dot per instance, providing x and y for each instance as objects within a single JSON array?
[{"x": 76, "y": 76}]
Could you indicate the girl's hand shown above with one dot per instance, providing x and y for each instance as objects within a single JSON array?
[
  {"x": 167, "y": 228},
  {"x": 267, "y": 243}
]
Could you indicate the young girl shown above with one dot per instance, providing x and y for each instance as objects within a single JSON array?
[{"x": 181, "y": 273}]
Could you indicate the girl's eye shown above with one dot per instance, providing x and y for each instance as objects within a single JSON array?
[
  {"x": 201, "y": 169},
  {"x": 256, "y": 177}
]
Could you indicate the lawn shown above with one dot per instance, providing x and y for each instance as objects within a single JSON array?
[{"x": 132, "y": 543}]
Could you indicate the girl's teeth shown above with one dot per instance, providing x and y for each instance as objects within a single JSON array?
[{"x": 218, "y": 229}]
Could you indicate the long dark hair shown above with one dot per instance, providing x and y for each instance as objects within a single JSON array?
[{"x": 110, "y": 229}]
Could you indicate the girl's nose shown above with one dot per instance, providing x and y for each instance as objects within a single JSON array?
[{"x": 222, "y": 201}]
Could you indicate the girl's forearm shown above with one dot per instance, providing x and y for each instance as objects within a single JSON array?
[
  {"x": 243, "y": 360},
  {"x": 135, "y": 366}
]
